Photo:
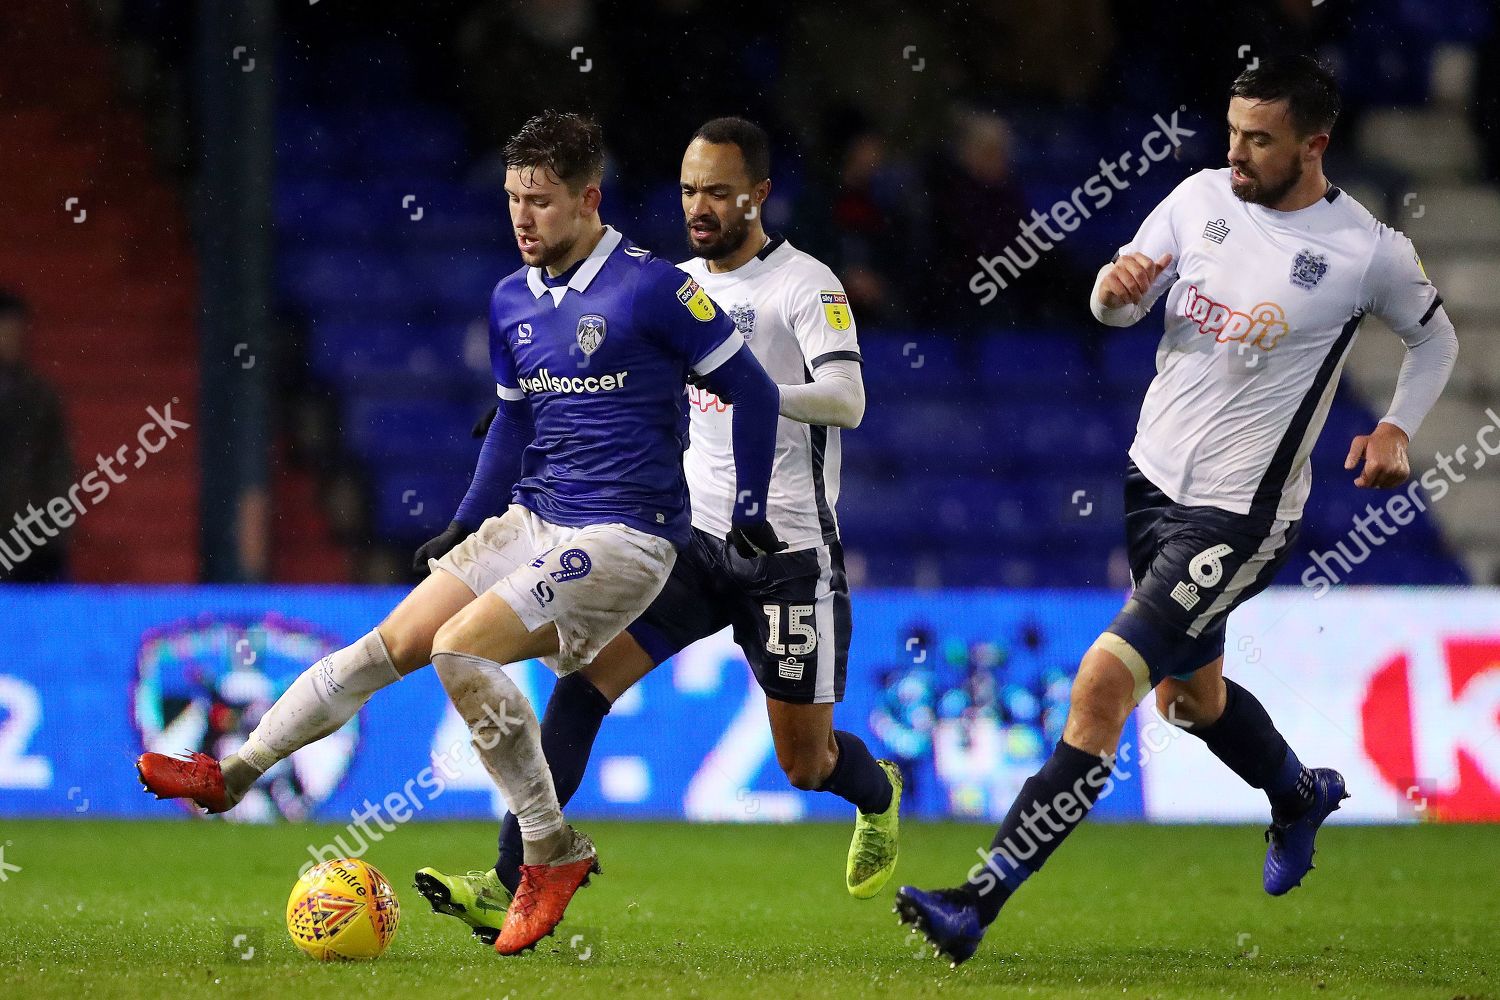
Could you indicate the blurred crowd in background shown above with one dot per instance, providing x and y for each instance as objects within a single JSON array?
[
  {"x": 906, "y": 133},
  {"x": 911, "y": 140}
]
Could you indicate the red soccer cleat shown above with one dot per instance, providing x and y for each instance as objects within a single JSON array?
[
  {"x": 543, "y": 895},
  {"x": 196, "y": 776}
]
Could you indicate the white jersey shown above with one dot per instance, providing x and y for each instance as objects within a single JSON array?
[
  {"x": 1262, "y": 312},
  {"x": 795, "y": 316}
]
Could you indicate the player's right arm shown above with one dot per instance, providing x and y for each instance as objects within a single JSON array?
[
  {"x": 1128, "y": 286},
  {"x": 1123, "y": 287},
  {"x": 499, "y": 464}
]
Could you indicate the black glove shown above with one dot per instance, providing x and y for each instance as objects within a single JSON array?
[
  {"x": 482, "y": 425},
  {"x": 757, "y": 539},
  {"x": 439, "y": 546}
]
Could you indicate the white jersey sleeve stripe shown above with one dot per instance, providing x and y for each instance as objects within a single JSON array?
[
  {"x": 720, "y": 354},
  {"x": 509, "y": 393}
]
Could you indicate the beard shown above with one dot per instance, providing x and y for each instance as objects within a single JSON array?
[
  {"x": 726, "y": 240},
  {"x": 1256, "y": 192},
  {"x": 548, "y": 254}
]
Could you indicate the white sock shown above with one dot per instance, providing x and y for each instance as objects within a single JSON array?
[
  {"x": 320, "y": 701},
  {"x": 504, "y": 732}
]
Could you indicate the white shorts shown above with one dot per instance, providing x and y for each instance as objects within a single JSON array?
[{"x": 591, "y": 581}]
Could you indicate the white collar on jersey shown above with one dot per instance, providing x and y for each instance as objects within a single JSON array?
[{"x": 581, "y": 277}]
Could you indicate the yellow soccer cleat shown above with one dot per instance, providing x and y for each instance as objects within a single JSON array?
[
  {"x": 872, "y": 852},
  {"x": 479, "y": 899}
]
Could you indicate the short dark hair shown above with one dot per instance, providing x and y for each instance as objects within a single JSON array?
[
  {"x": 1311, "y": 93},
  {"x": 12, "y": 306},
  {"x": 568, "y": 145},
  {"x": 755, "y": 145}
]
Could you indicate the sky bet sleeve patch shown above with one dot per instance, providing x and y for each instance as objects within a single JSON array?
[
  {"x": 836, "y": 309},
  {"x": 692, "y": 295}
]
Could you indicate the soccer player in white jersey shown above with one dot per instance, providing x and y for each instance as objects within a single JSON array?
[
  {"x": 1268, "y": 269},
  {"x": 789, "y": 610}
]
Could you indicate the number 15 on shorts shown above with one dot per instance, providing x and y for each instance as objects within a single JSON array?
[{"x": 799, "y": 626}]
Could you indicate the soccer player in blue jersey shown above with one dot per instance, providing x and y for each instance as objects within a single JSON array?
[
  {"x": 592, "y": 344},
  {"x": 789, "y": 612}
]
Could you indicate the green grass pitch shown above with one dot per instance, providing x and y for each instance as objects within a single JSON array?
[{"x": 151, "y": 910}]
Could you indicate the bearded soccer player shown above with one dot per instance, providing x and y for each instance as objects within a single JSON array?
[
  {"x": 591, "y": 342},
  {"x": 1268, "y": 270},
  {"x": 790, "y": 610}
]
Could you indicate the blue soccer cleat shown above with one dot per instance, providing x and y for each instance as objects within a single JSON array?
[
  {"x": 1289, "y": 856},
  {"x": 947, "y": 918}
]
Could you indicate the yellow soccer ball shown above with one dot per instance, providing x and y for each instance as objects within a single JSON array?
[{"x": 342, "y": 909}]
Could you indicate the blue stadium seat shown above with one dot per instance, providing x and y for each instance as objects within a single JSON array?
[
  {"x": 912, "y": 365},
  {"x": 934, "y": 437},
  {"x": 380, "y": 427},
  {"x": 1061, "y": 437},
  {"x": 340, "y": 351},
  {"x": 1034, "y": 364},
  {"x": 1127, "y": 358},
  {"x": 416, "y": 142},
  {"x": 461, "y": 281},
  {"x": 342, "y": 279},
  {"x": 410, "y": 505}
]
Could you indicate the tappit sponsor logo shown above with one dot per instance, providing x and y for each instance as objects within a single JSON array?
[
  {"x": 1433, "y": 709},
  {"x": 1262, "y": 326},
  {"x": 703, "y": 400}
]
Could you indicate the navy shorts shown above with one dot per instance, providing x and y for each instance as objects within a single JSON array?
[
  {"x": 1191, "y": 566},
  {"x": 789, "y": 611}
]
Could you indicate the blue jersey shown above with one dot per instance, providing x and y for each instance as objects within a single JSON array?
[{"x": 603, "y": 359}]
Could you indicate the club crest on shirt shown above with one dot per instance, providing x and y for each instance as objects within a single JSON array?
[
  {"x": 744, "y": 319},
  {"x": 591, "y": 331},
  {"x": 1308, "y": 268}
]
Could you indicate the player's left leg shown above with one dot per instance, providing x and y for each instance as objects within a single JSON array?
[
  {"x": 792, "y": 618},
  {"x": 1111, "y": 680},
  {"x": 574, "y": 713},
  {"x": 563, "y": 606},
  {"x": 817, "y": 757},
  {"x": 469, "y": 654},
  {"x": 1240, "y": 733}
]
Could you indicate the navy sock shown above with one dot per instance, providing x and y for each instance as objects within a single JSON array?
[
  {"x": 857, "y": 777},
  {"x": 1052, "y": 802},
  {"x": 1246, "y": 740},
  {"x": 569, "y": 728}
]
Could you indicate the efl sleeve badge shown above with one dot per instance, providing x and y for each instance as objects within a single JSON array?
[
  {"x": 836, "y": 309},
  {"x": 692, "y": 295}
]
